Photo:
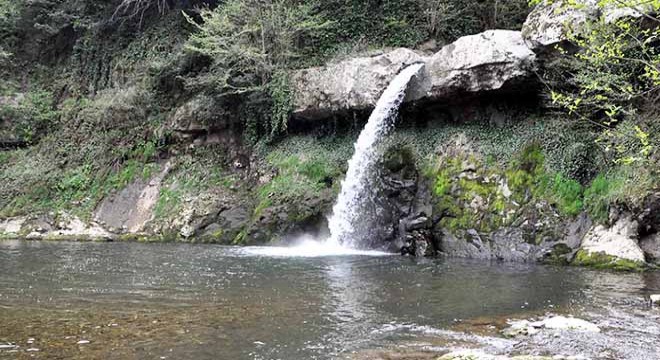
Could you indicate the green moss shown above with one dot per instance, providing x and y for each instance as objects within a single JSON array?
[
  {"x": 567, "y": 194},
  {"x": 601, "y": 260}
]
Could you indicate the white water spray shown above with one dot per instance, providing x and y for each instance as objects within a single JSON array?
[{"x": 349, "y": 208}]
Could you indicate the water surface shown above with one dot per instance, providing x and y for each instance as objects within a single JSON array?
[{"x": 177, "y": 301}]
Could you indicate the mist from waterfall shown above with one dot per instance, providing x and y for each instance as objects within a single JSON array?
[{"x": 350, "y": 222}]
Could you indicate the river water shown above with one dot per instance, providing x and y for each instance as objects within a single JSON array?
[{"x": 177, "y": 301}]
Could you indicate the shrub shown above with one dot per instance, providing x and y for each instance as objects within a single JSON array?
[
  {"x": 612, "y": 77},
  {"x": 249, "y": 40},
  {"x": 31, "y": 117}
]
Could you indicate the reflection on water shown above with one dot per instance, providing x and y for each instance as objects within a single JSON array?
[{"x": 182, "y": 301}]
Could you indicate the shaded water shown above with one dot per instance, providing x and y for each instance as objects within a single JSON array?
[{"x": 179, "y": 301}]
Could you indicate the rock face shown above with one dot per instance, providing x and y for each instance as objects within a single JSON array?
[
  {"x": 479, "y": 63},
  {"x": 651, "y": 247},
  {"x": 619, "y": 241},
  {"x": 485, "y": 62},
  {"x": 355, "y": 84},
  {"x": 131, "y": 208},
  {"x": 550, "y": 22}
]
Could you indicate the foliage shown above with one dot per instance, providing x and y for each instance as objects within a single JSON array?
[
  {"x": 409, "y": 22},
  {"x": 249, "y": 40},
  {"x": 30, "y": 116},
  {"x": 567, "y": 193},
  {"x": 612, "y": 77},
  {"x": 94, "y": 148},
  {"x": 282, "y": 97}
]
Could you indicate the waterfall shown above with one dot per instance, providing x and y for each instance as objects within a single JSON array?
[{"x": 350, "y": 219}]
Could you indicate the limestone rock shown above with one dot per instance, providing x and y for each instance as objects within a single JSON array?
[
  {"x": 550, "y": 22},
  {"x": 132, "y": 207},
  {"x": 490, "y": 61},
  {"x": 479, "y": 63},
  {"x": 354, "y": 84},
  {"x": 619, "y": 241},
  {"x": 12, "y": 226}
]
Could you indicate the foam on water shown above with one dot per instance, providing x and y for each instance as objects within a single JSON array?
[{"x": 309, "y": 247}]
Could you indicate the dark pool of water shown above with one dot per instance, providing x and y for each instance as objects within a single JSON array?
[{"x": 173, "y": 301}]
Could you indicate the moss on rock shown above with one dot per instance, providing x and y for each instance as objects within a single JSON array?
[{"x": 601, "y": 260}]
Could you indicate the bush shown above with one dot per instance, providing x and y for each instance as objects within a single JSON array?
[
  {"x": 249, "y": 40},
  {"x": 611, "y": 78},
  {"x": 30, "y": 117}
]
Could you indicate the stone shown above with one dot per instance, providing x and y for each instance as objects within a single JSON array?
[
  {"x": 417, "y": 224},
  {"x": 619, "y": 241},
  {"x": 550, "y": 22},
  {"x": 495, "y": 60},
  {"x": 569, "y": 323},
  {"x": 655, "y": 299},
  {"x": 651, "y": 247},
  {"x": 196, "y": 116},
  {"x": 131, "y": 208},
  {"x": 485, "y": 62},
  {"x": 354, "y": 84},
  {"x": 12, "y": 226},
  {"x": 528, "y": 328},
  {"x": 547, "y": 24}
]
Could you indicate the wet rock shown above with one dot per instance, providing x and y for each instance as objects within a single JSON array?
[
  {"x": 418, "y": 223},
  {"x": 480, "y": 355},
  {"x": 569, "y": 323},
  {"x": 526, "y": 327},
  {"x": 472, "y": 247}
]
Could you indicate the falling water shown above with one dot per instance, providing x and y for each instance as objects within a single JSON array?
[{"x": 349, "y": 210}]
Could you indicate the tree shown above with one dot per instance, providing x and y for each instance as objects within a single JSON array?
[
  {"x": 613, "y": 77},
  {"x": 250, "y": 40}
]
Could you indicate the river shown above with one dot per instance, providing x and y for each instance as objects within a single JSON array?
[{"x": 180, "y": 301}]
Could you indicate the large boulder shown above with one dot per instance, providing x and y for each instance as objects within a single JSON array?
[
  {"x": 492, "y": 60},
  {"x": 550, "y": 22},
  {"x": 355, "y": 84},
  {"x": 485, "y": 62},
  {"x": 608, "y": 247}
]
